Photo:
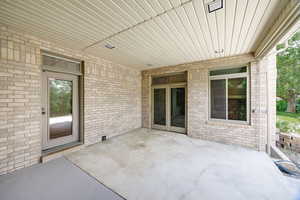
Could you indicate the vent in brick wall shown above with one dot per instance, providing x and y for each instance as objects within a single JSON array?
[{"x": 103, "y": 138}]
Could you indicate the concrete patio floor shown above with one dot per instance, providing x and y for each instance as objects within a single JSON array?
[
  {"x": 55, "y": 180},
  {"x": 148, "y": 164}
]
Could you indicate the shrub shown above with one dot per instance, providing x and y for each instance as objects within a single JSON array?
[
  {"x": 285, "y": 127},
  {"x": 281, "y": 105},
  {"x": 298, "y": 106}
]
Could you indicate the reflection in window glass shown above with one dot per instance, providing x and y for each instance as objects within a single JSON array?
[
  {"x": 60, "y": 119},
  {"x": 160, "y": 106},
  {"x": 237, "y": 99},
  {"x": 218, "y": 99},
  {"x": 228, "y": 94},
  {"x": 178, "y": 107}
]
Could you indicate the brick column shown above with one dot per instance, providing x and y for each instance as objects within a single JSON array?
[{"x": 267, "y": 101}]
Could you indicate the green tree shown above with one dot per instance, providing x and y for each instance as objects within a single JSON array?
[
  {"x": 288, "y": 71},
  {"x": 60, "y": 98}
]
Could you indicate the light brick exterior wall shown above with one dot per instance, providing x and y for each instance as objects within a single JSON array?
[
  {"x": 112, "y": 96},
  {"x": 252, "y": 135},
  {"x": 116, "y": 99},
  {"x": 268, "y": 75},
  {"x": 112, "y": 100}
]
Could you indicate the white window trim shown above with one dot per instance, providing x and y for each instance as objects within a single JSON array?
[{"x": 226, "y": 77}]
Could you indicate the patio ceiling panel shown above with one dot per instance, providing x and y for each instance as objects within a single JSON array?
[
  {"x": 221, "y": 29},
  {"x": 197, "y": 29},
  {"x": 230, "y": 9},
  {"x": 21, "y": 17},
  {"x": 203, "y": 23},
  {"x": 213, "y": 31},
  {"x": 240, "y": 11},
  {"x": 146, "y": 33},
  {"x": 261, "y": 10},
  {"x": 250, "y": 11}
]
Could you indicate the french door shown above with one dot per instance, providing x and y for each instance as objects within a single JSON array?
[
  {"x": 60, "y": 109},
  {"x": 169, "y": 108}
]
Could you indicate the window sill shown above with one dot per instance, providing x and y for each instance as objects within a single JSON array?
[{"x": 234, "y": 124}]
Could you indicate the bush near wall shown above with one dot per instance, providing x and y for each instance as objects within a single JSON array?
[
  {"x": 298, "y": 106},
  {"x": 288, "y": 122},
  {"x": 281, "y": 105}
]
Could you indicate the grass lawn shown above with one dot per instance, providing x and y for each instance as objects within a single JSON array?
[{"x": 288, "y": 122}]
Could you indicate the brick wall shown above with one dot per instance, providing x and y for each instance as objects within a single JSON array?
[
  {"x": 251, "y": 135},
  {"x": 289, "y": 141},
  {"x": 117, "y": 99},
  {"x": 112, "y": 96},
  {"x": 20, "y": 127},
  {"x": 112, "y": 100}
]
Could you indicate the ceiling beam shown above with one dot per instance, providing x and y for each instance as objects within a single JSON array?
[{"x": 285, "y": 21}]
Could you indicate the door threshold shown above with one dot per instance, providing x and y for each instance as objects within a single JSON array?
[
  {"x": 173, "y": 131},
  {"x": 59, "y": 151}
]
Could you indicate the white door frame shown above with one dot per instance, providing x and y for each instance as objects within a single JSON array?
[
  {"x": 168, "y": 126},
  {"x": 46, "y": 142}
]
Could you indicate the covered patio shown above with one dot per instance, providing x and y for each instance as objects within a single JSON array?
[
  {"x": 151, "y": 99},
  {"x": 150, "y": 164}
]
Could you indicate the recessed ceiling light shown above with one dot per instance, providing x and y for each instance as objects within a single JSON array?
[
  {"x": 109, "y": 46},
  {"x": 215, "y": 5}
]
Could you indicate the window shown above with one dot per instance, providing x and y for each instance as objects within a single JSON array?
[
  {"x": 169, "y": 79},
  {"x": 229, "y": 94},
  {"x": 57, "y": 63}
]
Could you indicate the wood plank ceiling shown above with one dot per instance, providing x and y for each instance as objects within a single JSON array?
[{"x": 146, "y": 33}]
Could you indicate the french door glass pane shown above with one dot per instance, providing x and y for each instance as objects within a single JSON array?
[
  {"x": 218, "y": 99},
  {"x": 237, "y": 99},
  {"x": 178, "y": 107},
  {"x": 60, "y": 116},
  {"x": 160, "y": 106}
]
